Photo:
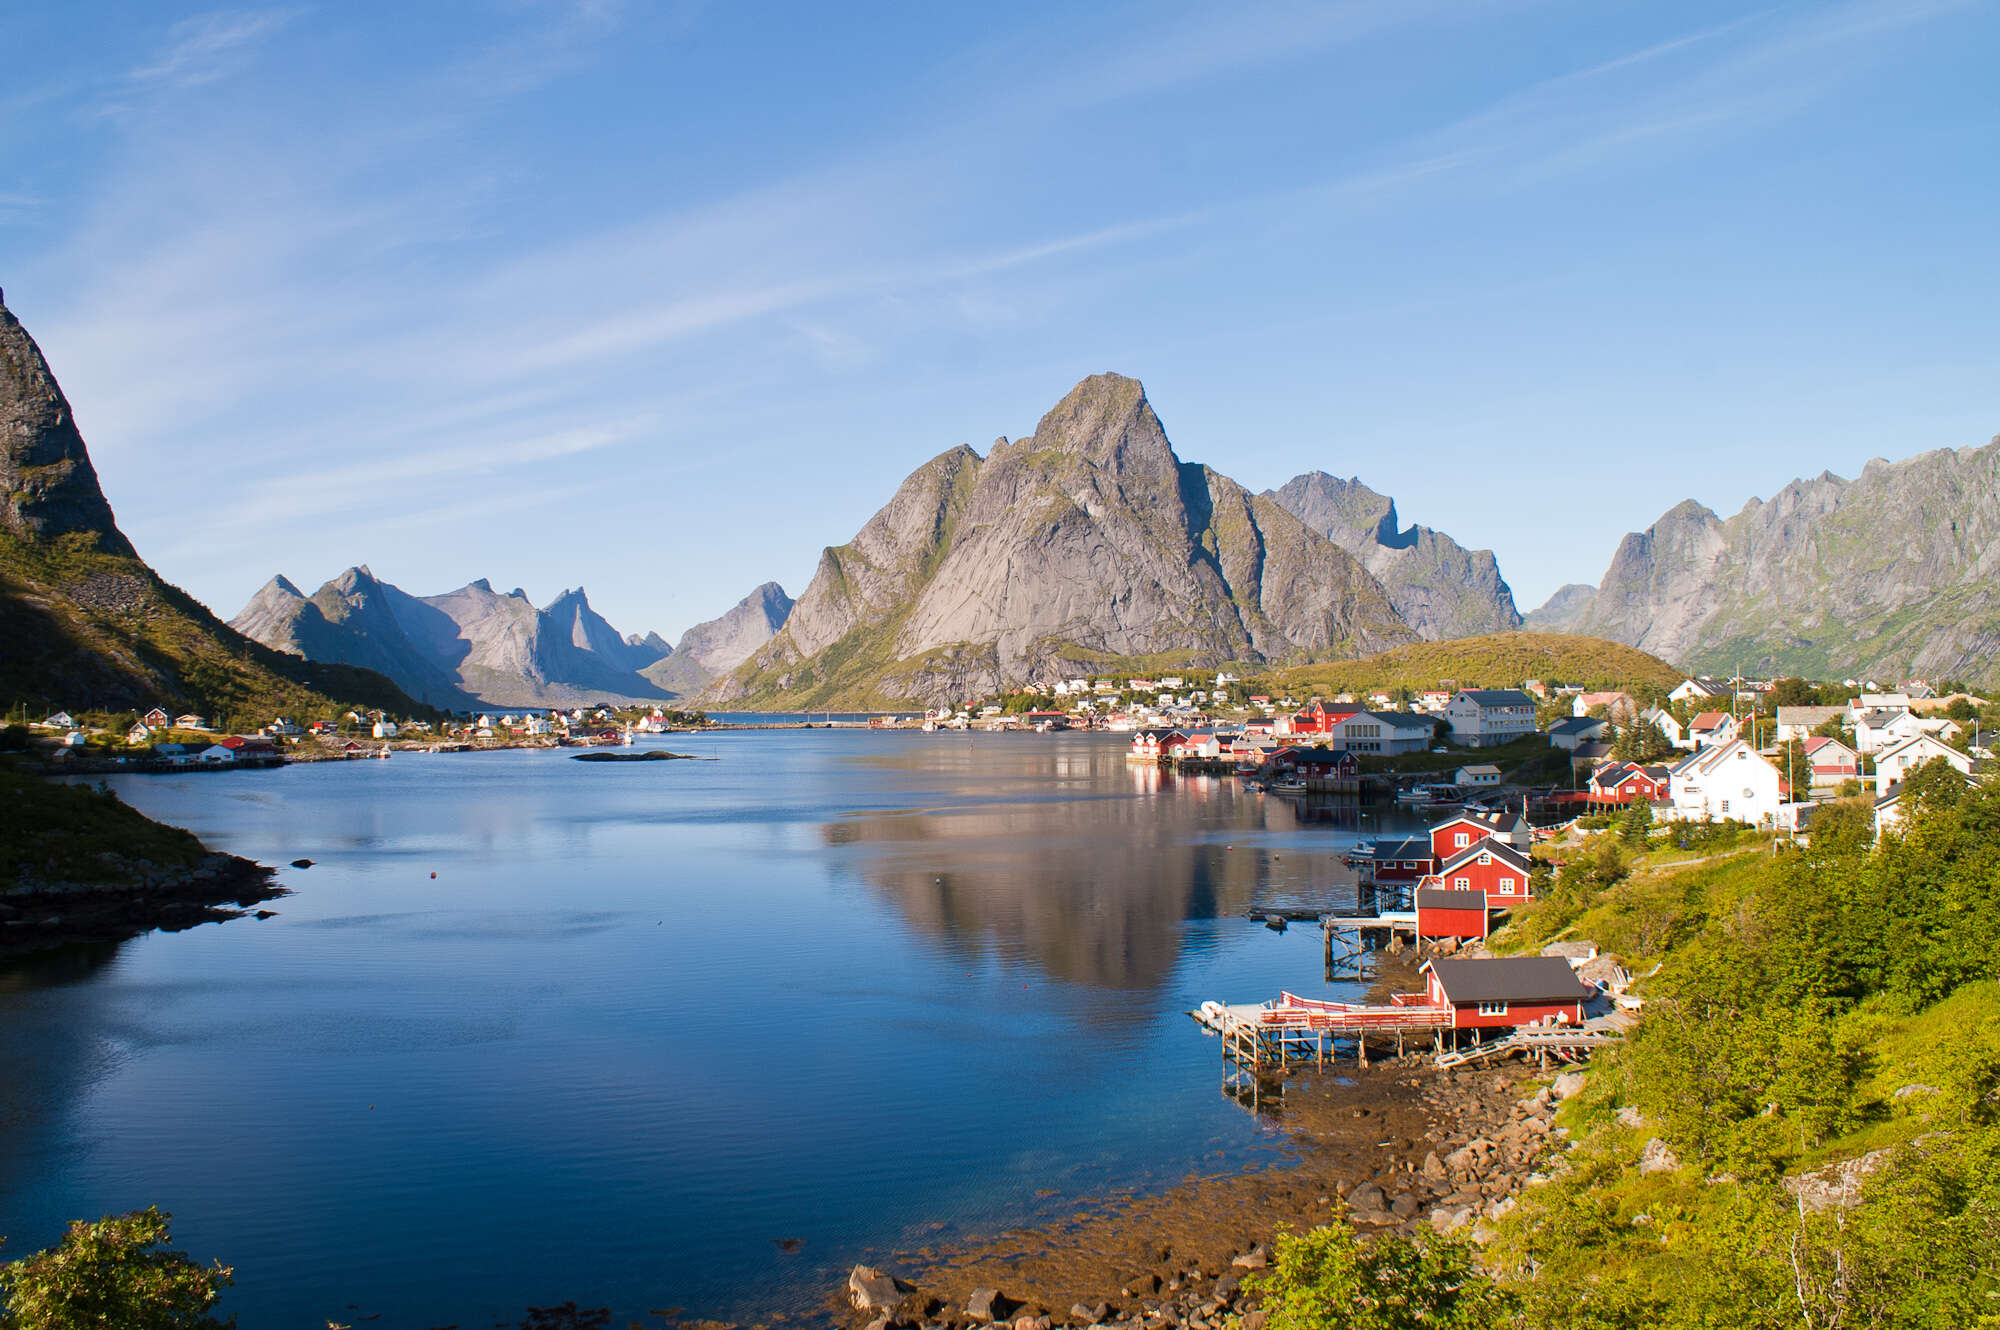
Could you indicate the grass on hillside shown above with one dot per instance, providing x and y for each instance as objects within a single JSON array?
[
  {"x": 71, "y": 833},
  {"x": 87, "y": 630},
  {"x": 1496, "y": 660}
]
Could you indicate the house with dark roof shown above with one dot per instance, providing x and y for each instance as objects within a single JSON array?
[
  {"x": 1495, "y": 869},
  {"x": 1568, "y": 734},
  {"x": 1487, "y": 993},
  {"x": 1392, "y": 860},
  {"x": 1460, "y": 915}
]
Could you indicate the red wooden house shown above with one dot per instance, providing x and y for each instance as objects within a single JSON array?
[
  {"x": 1394, "y": 860},
  {"x": 1488, "y": 993},
  {"x": 1152, "y": 745},
  {"x": 1468, "y": 829},
  {"x": 1832, "y": 761},
  {"x": 1454, "y": 914},
  {"x": 1319, "y": 718},
  {"x": 1627, "y": 783},
  {"x": 1491, "y": 867}
]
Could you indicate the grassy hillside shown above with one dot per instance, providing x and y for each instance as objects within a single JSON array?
[
  {"x": 84, "y": 629},
  {"x": 71, "y": 833},
  {"x": 1821, "y": 1018},
  {"x": 1497, "y": 660}
]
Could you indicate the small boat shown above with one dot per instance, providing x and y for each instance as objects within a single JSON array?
[{"x": 1275, "y": 922}]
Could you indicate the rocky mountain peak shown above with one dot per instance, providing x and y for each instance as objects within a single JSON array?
[
  {"x": 48, "y": 487},
  {"x": 1107, "y": 421}
]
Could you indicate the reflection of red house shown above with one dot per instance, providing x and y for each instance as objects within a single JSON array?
[
  {"x": 1455, "y": 914},
  {"x": 1493, "y": 868},
  {"x": 1497, "y": 992}
]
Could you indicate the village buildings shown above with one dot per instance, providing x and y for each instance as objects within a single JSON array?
[
  {"x": 1726, "y": 782},
  {"x": 1488, "y": 717}
]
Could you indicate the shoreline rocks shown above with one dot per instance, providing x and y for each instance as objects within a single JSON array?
[{"x": 37, "y": 914}]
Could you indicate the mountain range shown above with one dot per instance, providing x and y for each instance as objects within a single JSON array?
[
  {"x": 1894, "y": 573},
  {"x": 86, "y": 623},
  {"x": 479, "y": 647},
  {"x": 1440, "y": 588},
  {"x": 1086, "y": 543}
]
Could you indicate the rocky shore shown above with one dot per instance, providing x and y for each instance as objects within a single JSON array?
[
  {"x": 37, "y": 913},
  {"x": 1401, "y": 1147}
]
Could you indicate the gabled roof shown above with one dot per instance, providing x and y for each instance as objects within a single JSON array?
[
  {"x": 1419, "y": 848},
  {"x": 1451, "y": 900},
  {"x": 1920, "y": 741},
  {"x": 1708, "y": 720},
  {"x": 1579, "y": 725},
  {"x": 1707, "y": 687},
  {"x": 1500, "y": 850},
  {"x": 1497, "y": 697},
  {"x": 1819, "y": 741},
  {"x": 1320, "y": 757},
  {"x": 1509, "y": 979}
]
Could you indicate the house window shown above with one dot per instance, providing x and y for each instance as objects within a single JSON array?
[
  {"x": 1461, "y": 839},
  {"x": 1506, "y": 886},
  {"x": 1462, "y": 883},
  {"x": 1725, "y": 808},
  {"x": 1485, "y": 856},
  {"x": 1492, "y": 1009}
]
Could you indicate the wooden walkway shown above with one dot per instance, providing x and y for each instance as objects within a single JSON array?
[
  {"x": 1543, "y": 1043},
  {"x": 1296, "y": 1030}
]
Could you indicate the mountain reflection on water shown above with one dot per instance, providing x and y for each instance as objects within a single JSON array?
[
  {"x": 1087, "y": 864},
  {"x": 534, "y": 1029}
]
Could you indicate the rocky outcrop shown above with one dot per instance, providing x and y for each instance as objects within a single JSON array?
[
  {"x": 1892, "y": 574},
  {"x": 464, "y": 648},
  {"x": 48, "y": 487},
  {"x": 1440, "y": 588},
  {"x": 85, "y": 622},
  {"x": 712, "y": 649},
  {"x": 1560, "y": 612},
  {"x": 1089, "y": 541}
]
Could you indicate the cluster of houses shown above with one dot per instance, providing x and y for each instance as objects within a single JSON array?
[
  {"x": 1460, "y": 875},
  {"x": 1721, "y": 775}
]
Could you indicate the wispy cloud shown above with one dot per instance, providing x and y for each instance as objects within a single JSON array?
[{"x": 208, "y": 46}]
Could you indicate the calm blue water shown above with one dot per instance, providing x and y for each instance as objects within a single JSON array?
[{"x": 867, "y": 990}]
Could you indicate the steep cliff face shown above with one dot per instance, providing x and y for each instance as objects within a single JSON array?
[
  {"x": 50, "y": 488},
  {"x": 1896, "y": 572},
  {"x": 1440, "y": 588},
  {"x": 1087, "y": 541},
  {"x": 711, "y": 649},
  {"x": 85, "y": 623}
]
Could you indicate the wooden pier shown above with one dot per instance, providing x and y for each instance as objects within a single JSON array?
[{"x": 1294, "y": 1030}]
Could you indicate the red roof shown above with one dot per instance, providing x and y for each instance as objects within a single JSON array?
[{"x": 1708, "y": 720}]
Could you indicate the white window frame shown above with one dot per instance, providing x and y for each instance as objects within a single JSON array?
[
  {"x": 1461, "y": 884},
  {"x": 1506, "y": 886},
  {"x": 1492, "y": 1009}
]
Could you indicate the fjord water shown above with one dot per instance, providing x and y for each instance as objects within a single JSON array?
[{"x": 650, "y": 1023}]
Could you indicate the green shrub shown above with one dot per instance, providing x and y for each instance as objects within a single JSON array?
[{"x": 114, "y": 1274}]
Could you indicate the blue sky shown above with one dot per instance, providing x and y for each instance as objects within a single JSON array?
[{"x": 660, "y": 299}]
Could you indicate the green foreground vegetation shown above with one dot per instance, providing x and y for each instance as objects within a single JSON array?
[
  {"x": 73, "y": 833},
  {"x": 1815, "y": 1086}
]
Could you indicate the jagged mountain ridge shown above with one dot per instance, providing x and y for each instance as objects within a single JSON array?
[
  {"x": 479, "y": 647},
  {"x": 1439, "y": 587},
  {"x": 1088, "y": 540},
  {"x": 1896, "y": 572},
  {"x": 85, "y": 623}
]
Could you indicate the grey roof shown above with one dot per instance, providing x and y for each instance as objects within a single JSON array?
[
  {"x": 1404, "y": 720},
  {"x": 1498, "y": 697},
  {"x": 1579, "y": 725},
  {"x": 1510, "y": 979},
  {"x": 1432, "y": 899},
  {"x": 1808, "y": 715},
  {"x": 1499, "y": 849},
  {"x": 1417, "y": 848}
]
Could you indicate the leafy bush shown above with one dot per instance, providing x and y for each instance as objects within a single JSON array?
[
  {"x": 114, "y": 1274},
  {"x": 1329, "y": 1279}
]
